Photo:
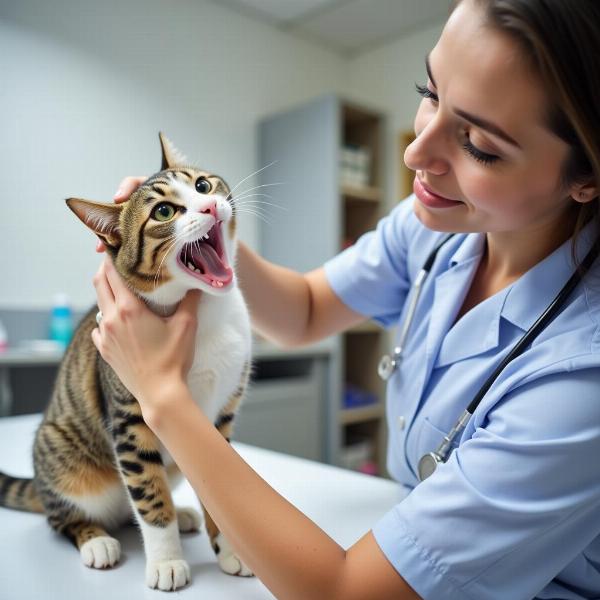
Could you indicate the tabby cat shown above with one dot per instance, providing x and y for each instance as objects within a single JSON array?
[{"x": 96, "y": 463}]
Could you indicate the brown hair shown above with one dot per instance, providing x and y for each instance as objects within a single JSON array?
[{"x": 561, "y": 39}]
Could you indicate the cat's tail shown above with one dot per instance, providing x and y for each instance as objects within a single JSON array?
[{"x": 19, "y": 493}]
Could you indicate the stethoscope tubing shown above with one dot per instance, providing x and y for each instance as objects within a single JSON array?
[
  {"x": 545, "y": 318},
  {"x": 389, "y": 364}
]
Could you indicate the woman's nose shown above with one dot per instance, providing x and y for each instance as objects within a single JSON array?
[{"x": 427, "y": 153}]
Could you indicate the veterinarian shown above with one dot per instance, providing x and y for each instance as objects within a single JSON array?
[{"x": 506, "y": 503}]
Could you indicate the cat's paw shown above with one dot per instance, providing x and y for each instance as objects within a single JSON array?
[
  {"x": 228, "y": 561},
  {"x": 101, "y": 552},
  {"x": 188, "y": 519},
  {"x": 168, "y": 575}
]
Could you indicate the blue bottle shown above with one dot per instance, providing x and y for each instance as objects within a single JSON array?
[{"x": 61, "y": 320}]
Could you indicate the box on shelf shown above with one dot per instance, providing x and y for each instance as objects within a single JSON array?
[
  {"x": 358, "y": 456},
  {"x": 355, "y": 168},
  {"x": 355, "y": 397}
]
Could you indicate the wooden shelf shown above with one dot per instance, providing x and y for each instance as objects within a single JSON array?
[
  {"x": 361, "y": 194},
  {"x": 317, "y": 135},
  {"x": 362, "y": 414},
  {"x": 366, "y": 327}
]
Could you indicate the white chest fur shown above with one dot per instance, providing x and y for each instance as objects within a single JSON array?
[{"x": 223, "y": 347}]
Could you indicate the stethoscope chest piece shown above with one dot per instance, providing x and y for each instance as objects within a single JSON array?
[
  {"x": 428, "y": 464},
  {"x": 388, "y": 364}
]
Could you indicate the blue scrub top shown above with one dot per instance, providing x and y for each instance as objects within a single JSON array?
[{"x": 515, "y": 512}]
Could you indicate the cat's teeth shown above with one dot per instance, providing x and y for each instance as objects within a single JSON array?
[{"x": 191, "y": 267}]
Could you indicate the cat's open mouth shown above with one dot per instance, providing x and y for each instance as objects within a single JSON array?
[{"x": 205, "y": 259}]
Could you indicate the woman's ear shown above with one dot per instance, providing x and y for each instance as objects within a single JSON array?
[{"x": 584, "y": 193}]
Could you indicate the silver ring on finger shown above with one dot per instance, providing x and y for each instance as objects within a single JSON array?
[{"x": 98, "y": 317}]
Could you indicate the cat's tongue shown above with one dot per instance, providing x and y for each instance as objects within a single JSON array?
[{"x": 211, "y": 262}]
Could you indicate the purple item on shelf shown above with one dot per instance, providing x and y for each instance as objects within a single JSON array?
[{"x": 355, "y": 397}]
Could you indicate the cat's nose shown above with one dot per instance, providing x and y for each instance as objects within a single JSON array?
[{"x": 211, "y": 209}]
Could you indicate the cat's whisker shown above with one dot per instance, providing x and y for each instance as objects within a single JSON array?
[
  {"x": 157, "y": 275},
  {"x": 176, "y": 238},
  {"x": 256, "y": 214},
  {"x": 257, "y": 187},
  {"x": 235, "y": 187},
  {"x": 189, "y": 230},
  {"x": 255, "y": 195},
  {"x": 238, "y": 198},
  {"x": 260, "y": 203}
]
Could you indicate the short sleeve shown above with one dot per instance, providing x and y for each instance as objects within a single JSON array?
[
  {"x": 514, "y": 505},
  {"x": 371, "y": 276}
]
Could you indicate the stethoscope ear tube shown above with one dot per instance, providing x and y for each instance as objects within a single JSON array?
[
  {"x": 429, "y": 462},
  {"x": 389, "y": 364},
  {"x": 544, "y": 319}
]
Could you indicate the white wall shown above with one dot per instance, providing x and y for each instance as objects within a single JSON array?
[
  {"x": 385, "y": 78},
  {"x": 85, "y": 88},
  {"x": 87, "y": 85}
]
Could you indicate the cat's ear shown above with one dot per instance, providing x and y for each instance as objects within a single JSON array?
[
  {"x": 171, "y": 157},
  {"x": 102, "y": 219}
]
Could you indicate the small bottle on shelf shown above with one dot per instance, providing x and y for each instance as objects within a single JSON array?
[
  {"x": 61, "y": 320},
  {"x": 3, "y": 338}
]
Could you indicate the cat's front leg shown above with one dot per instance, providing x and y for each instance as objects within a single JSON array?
[
  {"x": 141, "y": 466},
  {"x": 188, "y": 518},
  {"x": 229, "y": 562}
]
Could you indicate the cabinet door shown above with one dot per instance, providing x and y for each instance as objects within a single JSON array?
[
  {"x": 284, "y": 411},
  {"x": 304, "y": 145}
]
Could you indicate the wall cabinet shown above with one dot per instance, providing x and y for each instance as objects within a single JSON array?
[{"x": 323, "y": 204}]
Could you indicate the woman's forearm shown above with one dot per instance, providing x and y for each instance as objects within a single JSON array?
[
  {"x": 278, "y": 298},
  {"x": 291, "y": 555}
]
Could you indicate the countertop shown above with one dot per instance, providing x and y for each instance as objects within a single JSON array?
[{"x": 36, "y": 563}]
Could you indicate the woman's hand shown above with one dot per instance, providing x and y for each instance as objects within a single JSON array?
[
  {"x": 125, "y": 189},
  {"x": 151, "y": 355}
]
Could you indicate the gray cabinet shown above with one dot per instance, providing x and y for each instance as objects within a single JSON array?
[
  {"x": 321, "y": 211},
  {"x": 284, "y": 407}
]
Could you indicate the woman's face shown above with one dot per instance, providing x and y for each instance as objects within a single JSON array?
[{"x": 482, "y": 140}]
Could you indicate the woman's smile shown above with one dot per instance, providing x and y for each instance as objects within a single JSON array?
[{"x": 430, "y": 198}]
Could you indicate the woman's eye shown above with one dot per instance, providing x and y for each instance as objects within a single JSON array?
[
  {"x": 480, "y": 156},
  {"x": 202, "y": 185},
  {"x": 164, "y": 212},
  {"x": 424, "y": 91}
]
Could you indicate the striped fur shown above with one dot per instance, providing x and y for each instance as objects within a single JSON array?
[{"x": 97, "y": 465}]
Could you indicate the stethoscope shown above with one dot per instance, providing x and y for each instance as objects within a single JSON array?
[{"x": 389, "y": 364}]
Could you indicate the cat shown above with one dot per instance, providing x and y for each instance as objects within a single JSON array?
[{"x": 96, "y": 463}]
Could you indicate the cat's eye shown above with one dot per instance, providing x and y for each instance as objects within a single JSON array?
[
  {"x": 164, "y": 212},
  {"x": 202, "y": 185}
]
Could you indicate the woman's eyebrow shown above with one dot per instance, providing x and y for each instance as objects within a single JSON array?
[
  {"x": 477, "y": 121},
  {"x": 487, "y": 125},
  {"x": 428, "y": 67}
]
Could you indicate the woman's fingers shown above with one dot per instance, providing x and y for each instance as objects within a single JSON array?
[
  {"x": 97, "y": 340},
  {"x": 127, "y": 187},
  {"x": 106, "y": 299},
  {"x": 122, "y": 294}
]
